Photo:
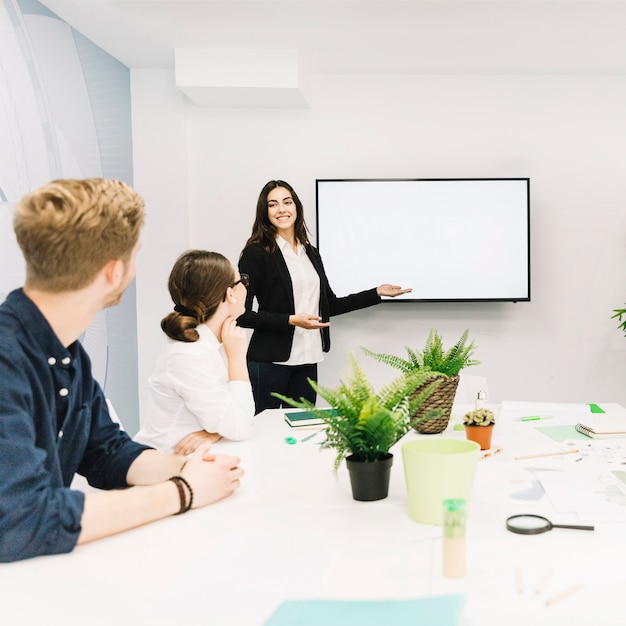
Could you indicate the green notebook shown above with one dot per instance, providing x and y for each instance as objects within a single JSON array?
[{"x": 297, "y": 419}]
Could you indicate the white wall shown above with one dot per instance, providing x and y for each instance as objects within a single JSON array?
[
  {"x": 567, "y": 133},
  {"x": 160, "y": 175}
]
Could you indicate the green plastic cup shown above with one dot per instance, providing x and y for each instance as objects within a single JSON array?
[{"x": 436, "y": 470}]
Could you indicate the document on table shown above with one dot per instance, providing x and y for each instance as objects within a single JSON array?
[
  {"x": 432, "y": 610},
  {"x": 512, "y": 411},
  {"x": 554, "y": 413},
  {"x": 599, "y": 494}
]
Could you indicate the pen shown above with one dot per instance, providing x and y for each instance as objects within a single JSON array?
[
  {"x": 534, "y": 456},
  {"x": 532, "y": 418},
  {"x": 564, "y": 594},
  {"x": 312, "y": 435}
]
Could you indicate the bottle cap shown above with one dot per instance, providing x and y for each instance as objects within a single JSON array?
[{"x": 454, "y": 517}]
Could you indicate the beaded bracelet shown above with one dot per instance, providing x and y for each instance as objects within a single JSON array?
[{"x": 179, "y": 481}]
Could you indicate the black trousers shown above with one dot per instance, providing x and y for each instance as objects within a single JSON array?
[{"x": 288, "y": 380}]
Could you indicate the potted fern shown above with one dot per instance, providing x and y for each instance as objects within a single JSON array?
[
  {"x": 434, "y": 358},
  {"x": 365, "y": 424}
]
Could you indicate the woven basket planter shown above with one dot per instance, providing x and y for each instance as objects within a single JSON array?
[{"x": 441, "y": 398}]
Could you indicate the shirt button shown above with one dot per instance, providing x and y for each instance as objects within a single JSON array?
[
  {"x": 52, "y": 360},
  {"x": 66, "y": 360},
  {"x": 63, "y": 392},
  {"x": 60, "y": 434}
]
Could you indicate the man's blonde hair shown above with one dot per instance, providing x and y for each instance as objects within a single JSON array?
[{"x": 69, "y": 229}]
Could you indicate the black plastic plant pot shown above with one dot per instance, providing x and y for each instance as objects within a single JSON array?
[{"x": 370, "y": 479}]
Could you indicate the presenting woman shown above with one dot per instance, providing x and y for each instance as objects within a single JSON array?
[
  {"x": 200, "y": 389},
  {"x": 294, "y": 299}
]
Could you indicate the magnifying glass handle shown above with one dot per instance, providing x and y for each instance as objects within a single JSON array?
[{"x": 573, "y": 526}]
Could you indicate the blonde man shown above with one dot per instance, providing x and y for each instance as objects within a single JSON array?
[{"x": 80, "y": 239}]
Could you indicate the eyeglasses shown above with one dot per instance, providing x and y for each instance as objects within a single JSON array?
[{"x": 244, "y": 280}]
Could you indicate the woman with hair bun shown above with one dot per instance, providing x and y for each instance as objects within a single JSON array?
[{"x": 200, "y": 389}]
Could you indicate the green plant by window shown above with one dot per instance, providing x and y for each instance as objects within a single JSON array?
[
  {"x": 619, "y": 313},
  {"x": 433, "y": 357},
  {"x": 366, "y": 423}
]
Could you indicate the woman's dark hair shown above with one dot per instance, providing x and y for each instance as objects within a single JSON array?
[
  {"x": 197, "y": 284},
  {"x": 263, "y": 231}
]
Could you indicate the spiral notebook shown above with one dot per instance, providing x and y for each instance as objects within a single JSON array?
[{"x": 607, "y": 425}]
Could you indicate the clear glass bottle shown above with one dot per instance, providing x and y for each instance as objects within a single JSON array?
[
  {"x": 454, "y": 518},
  {"x": 481, "y": 400}
]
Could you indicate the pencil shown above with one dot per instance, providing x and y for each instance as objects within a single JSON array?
[
  {"x": 564, "y": 594},
  {"x": 519, "y": 580},
  {"x": 534, "y": 456},
  {"x": 544, "y": 581}
]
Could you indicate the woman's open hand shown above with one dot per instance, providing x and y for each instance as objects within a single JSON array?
[
  {"x": 308, "y": 321},
  {"x": 391, "y": 290}
]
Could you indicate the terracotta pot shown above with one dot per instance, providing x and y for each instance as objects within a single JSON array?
[{"x": 480, "y": 434}]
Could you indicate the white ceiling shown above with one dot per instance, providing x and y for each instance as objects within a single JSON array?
[{"x": 367, "y": 36}]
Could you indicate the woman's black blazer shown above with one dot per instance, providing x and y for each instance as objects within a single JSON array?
[{"x": 270, "y": 283}]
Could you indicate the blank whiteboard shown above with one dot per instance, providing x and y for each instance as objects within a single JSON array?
[{"x": 448, "y": 239}]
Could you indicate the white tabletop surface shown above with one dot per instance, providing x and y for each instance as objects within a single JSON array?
[{"x": 294, "y": 531}]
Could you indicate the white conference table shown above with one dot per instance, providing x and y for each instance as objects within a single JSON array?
[{"x": 294, "y": 531}]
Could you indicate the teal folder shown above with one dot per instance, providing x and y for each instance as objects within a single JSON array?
[{"x": 430, "y": 611}]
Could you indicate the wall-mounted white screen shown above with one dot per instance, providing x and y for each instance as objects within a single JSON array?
[{"x": 447, "y": 239}]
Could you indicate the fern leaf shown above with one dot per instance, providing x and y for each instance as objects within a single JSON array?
[{"x": 390, "y": 359}]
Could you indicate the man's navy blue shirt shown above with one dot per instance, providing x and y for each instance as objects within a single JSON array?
[{"x": 54, "y": 422}]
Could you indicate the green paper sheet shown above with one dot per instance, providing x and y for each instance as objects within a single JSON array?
[
  {"x": 561, "y": 433},
  {"x": 433, "y": 610}
]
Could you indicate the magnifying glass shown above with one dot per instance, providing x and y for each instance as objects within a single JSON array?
[{"x": 528, "y": 524}]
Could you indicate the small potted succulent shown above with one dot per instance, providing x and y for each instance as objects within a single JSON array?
[{"x": 479, "y": 426}]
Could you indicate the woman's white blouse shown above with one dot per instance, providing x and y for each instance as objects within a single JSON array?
[
  {"x": 307, "y": 344},
  {"x": 190, "y": 391}
]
